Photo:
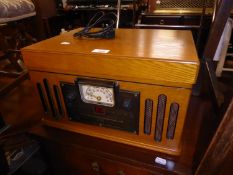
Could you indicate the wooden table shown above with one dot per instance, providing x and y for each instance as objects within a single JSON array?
[{"x": 21, "y": 109}]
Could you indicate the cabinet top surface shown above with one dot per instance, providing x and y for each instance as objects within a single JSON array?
[{"x": 164, "y": 45}]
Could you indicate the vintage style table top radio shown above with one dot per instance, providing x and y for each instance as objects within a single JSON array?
[{"x": 133, "y": 89}]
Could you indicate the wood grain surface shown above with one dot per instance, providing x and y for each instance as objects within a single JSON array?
[
  {"x": 164, "y": 57},
  {"x": 152, "y": 62},
  {"x": 170, "y": 146}
]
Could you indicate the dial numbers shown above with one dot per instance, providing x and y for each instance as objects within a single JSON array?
[{"x": 97, "y": 95}]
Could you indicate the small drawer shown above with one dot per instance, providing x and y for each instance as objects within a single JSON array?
[
  {"x": 162, "y": 20},
  {"x": 78, "y": 160}
]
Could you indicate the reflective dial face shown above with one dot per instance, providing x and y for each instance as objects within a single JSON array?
[{"x": 97, "y": 95}]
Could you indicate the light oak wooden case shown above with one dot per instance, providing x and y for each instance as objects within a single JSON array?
[{"x": 152, "y": 62}]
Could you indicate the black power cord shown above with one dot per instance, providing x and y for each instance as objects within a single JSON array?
[{"x": 108, "y": 22}]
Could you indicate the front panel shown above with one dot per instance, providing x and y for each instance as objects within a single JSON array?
[
  {"x": 124, "y": 115},
  {"x": 144, "y": 115}
]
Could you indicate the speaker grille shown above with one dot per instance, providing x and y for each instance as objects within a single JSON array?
[
  {"x": 42, "y": 97},
  {"x": 173, "y": 114},
  {"x": 50, "y": 99},
  {"x": 185, "y": 3},
  {"x": 148, "y": 116},
  {"x": 162, "y": 99},
  {"x": 58, "y": 100}
]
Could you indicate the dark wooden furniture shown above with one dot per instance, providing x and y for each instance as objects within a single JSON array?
[
  {"x": 221, "y": 16},
  {"x": 14, "y": 34},
  {"x": 16, "y": 146},
  {"x": 219, "y": 153}
]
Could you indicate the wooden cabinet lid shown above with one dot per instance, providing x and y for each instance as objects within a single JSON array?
[{"x": 148, "y": 52}]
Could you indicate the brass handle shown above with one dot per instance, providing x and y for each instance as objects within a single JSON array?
[
  {"x": 96, "y": 167},
  {"x": 120, "y": 172}
]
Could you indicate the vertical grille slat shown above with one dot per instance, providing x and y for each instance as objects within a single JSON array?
[
  {"x": 58, "y": 100},
  {"x": 50, "y": 99},
  {"x": 148, "y": 116},
  {"x": 173, "y": 114},
  {"x": 42, "y": 98},
  {"x": 162, "y": 100}
]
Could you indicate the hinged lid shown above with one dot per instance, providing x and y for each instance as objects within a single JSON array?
[{"x": 165, "y": 57}]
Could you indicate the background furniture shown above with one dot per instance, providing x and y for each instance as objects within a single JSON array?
[
  {"x": 77, "y": 13},
  {"x": 70, "y": 153},
  {"x": 17, "y": 148},
  {"x": 219, "y": 153},
  {"x": 194, "y": 15},
  {"x": 222, "y": 52},
  {"x": 14, "y": 35}
]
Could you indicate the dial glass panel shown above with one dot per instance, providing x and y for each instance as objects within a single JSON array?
[{"x": 97, "y": 95}]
